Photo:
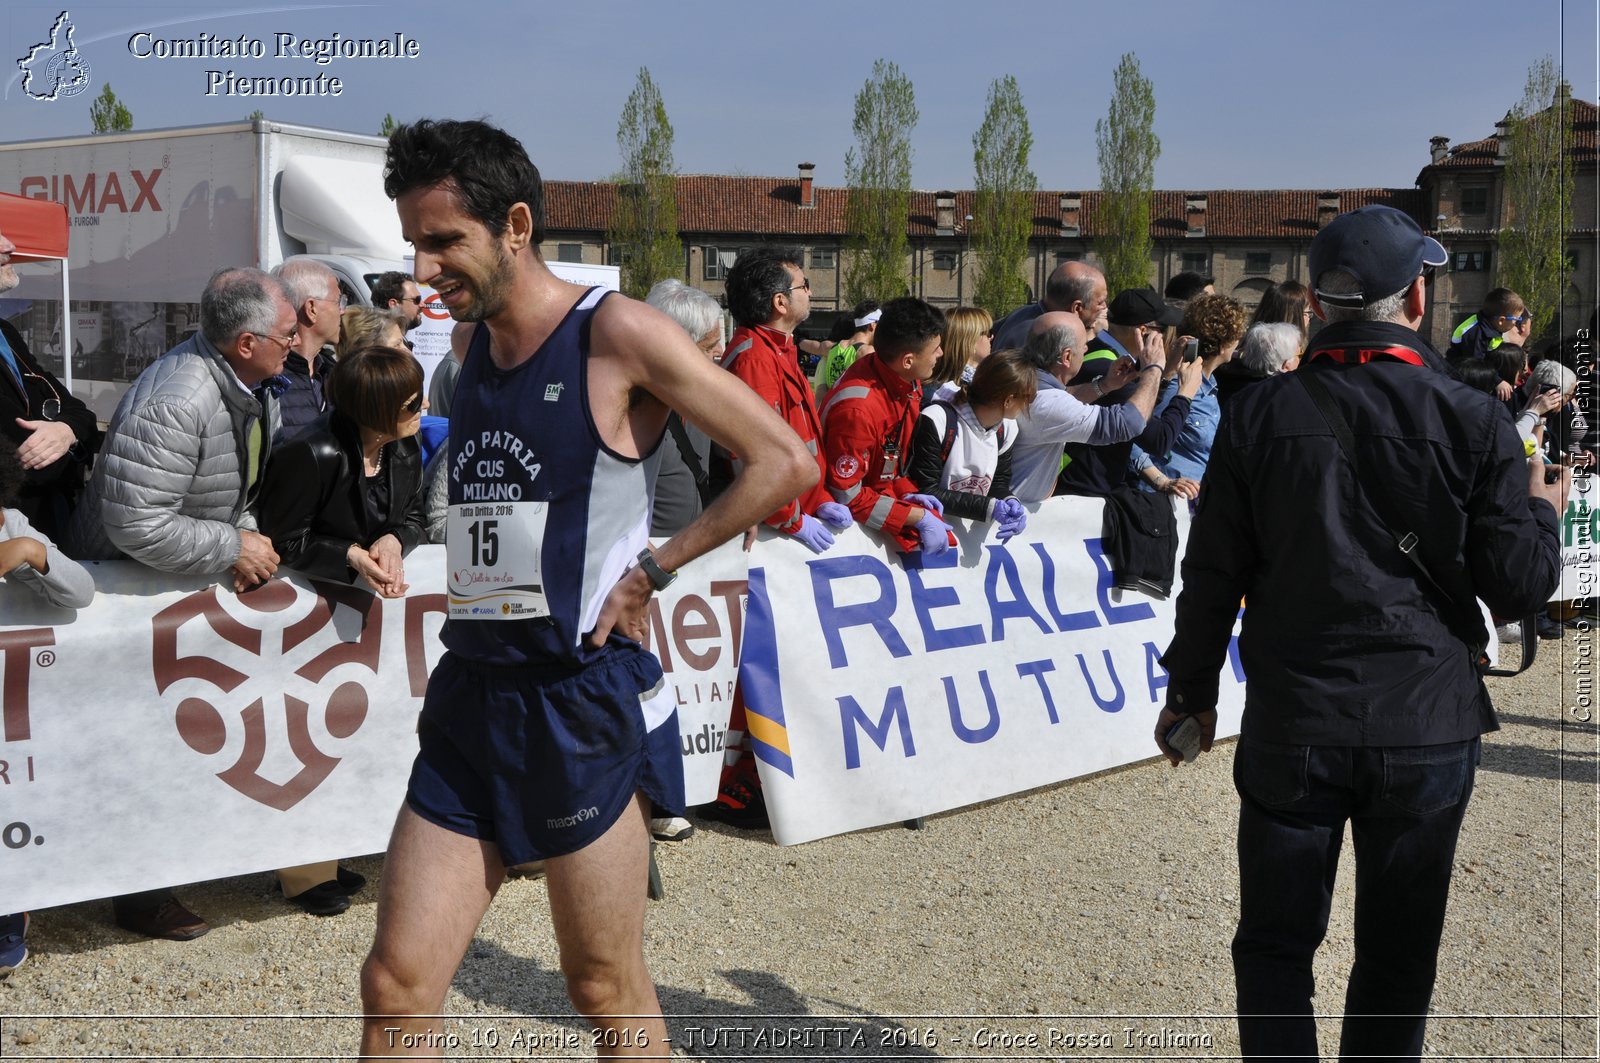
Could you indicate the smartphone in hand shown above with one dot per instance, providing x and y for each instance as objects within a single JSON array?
[{"x": 1184, "y": 738}]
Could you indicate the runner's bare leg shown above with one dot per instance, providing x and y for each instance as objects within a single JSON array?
[
  {"x": 435, "y": 888},
  {"x": 597, "y": 903}
]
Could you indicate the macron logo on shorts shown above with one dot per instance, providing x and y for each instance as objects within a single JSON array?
[{"x": 581, "y": 816}]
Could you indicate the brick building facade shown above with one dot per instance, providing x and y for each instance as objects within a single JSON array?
[{"x": 1246, "y": 239}]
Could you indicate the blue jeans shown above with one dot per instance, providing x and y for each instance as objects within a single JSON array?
[{"x": 1405, "y": 805}]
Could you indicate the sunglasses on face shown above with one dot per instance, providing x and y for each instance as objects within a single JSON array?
[{"x": 414, "y": 406}]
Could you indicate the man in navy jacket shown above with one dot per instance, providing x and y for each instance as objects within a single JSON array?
[{"x": 1363, "y": 702}]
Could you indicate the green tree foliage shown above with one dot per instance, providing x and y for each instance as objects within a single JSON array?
[
  {"x": 878, "y": 172},
  {"x": 108, "y": 113},
  {"x": 255, "y": 116},
  {"x": 1128, "y": 149},
  {"x": 1539, "y": 185},
  {"x": 387, "y": 127},
  {"x": 1003, "y": 214},
  {"x": 644, "y": 222}
]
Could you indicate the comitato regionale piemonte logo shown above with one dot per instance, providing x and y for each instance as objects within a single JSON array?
[{"x": 54, "y": 68}]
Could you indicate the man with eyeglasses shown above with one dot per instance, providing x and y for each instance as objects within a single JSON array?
[
  {"x": 54, "y": 431},
  {"x": 398, "y": 291},
  {"x": 769, "y": 296},
  {"x": 176, "y": 484},
  {"x": 318, "y": 305}
]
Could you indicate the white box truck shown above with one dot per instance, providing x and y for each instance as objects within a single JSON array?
[{"x": 154, "y": 213}]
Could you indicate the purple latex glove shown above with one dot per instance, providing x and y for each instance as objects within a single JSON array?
[
  {"x": 813, "y": 533},
  {"x": 836, "y": 515},
  {"x": 934, "y": 533},
  {"x": 1009, "y": 518},
  {"x": 927, "y": 502}
]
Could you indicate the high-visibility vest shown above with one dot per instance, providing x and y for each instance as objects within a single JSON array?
[{"x": 1463, "y": 328}]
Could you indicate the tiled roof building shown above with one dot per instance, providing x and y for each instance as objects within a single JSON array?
[{"x": 1247, "y": 239}]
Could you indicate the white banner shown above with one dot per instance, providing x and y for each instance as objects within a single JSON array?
[
  {"x": 1580, "y": 527},
  {"x": 876, "y": 694},
  {"x": 174, "y": 731}
]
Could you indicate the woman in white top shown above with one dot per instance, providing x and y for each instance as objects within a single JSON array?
[{"x": 961, "y": 449}]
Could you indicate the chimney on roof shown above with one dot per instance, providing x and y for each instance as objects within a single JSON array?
[
  {"x": 1071, "y": 214},
  {"x": 1327, "y": 208},
  {"x": 807, "y": 197},
  {"x": 1438, "y": 147},
  {"x": 1563, "y": 94},
  {"x": 1502, "y": 132},
  {"x": 1194, "y": 208},
  {"x": 944, "y": 211}
]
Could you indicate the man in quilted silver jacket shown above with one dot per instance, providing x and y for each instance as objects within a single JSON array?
[
  {"x": 185, "y": 449},
  {"x": 174, "y": 485}
]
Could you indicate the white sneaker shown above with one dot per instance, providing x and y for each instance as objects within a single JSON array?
[
  {"x": 1511, "y": 632},
  {"x": 670, "y": 829}
]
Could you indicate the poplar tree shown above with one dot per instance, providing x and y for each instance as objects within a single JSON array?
[
  {"x": 878, "y": 172},
  {"x": 1128, "y": 149},
  {"x": 1002, "y": 216},
  {"x": 1539, "y": 186},
  {"x": 108, "y": 113},
  {"x": 644, "y": 221}
]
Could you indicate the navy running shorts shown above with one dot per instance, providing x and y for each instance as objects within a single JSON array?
[{"x": 543, "y": 767}]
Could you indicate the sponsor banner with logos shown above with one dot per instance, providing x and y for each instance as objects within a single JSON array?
[
  {"x": 1580, "y": 531},
  {"x": 174, "y": 731},
  {"x": 877, "y": 692}
]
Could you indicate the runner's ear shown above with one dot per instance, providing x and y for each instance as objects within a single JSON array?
[{"x": 519, "y": 226}]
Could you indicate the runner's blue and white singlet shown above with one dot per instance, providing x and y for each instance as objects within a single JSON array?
[{"x": 544, "y": 517}]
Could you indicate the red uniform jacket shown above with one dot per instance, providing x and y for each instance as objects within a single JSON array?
[
  {"x": 765, "y": 359},
  {"x": 867, "y": 420}
]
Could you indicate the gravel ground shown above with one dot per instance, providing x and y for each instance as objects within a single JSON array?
[{"x": 1087, "y": 919}]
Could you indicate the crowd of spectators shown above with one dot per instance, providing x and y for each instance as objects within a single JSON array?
[{"x": 290, "y": 431}]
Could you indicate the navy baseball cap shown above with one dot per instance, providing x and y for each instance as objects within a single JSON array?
[
  {"x": 1141, "y": 306},
  {"x": 1381, "y": 247}
]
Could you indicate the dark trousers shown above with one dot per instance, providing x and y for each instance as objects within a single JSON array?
[{"x": 1404, "y": 805}]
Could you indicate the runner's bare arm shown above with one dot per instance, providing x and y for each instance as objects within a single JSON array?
[{"x": 639, "y": 347}]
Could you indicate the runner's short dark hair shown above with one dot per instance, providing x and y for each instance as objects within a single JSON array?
[{"x": 488, "y": 166}]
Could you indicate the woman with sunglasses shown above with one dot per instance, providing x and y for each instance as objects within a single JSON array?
[{"x": 345, "y": 500}]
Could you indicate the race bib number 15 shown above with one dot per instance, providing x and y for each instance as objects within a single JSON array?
[{"x": 495, "y": 554}]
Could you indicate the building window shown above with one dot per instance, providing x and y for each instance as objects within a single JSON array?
[
  {"x": 1257, "y": 262},
  {"x": 1063, "y": 257},
  {"x": 613, "y": 255},
  {"x": 823, "y": 259},
  {"x": 569, "y": 252},
  {"x": 1475, "y": 200},
  {"x": 1470, "y": 262},
  {"x": 945, "y": 260},
  {"x": 1197, "y": 262},
  {"x": 713, "y": 271}
]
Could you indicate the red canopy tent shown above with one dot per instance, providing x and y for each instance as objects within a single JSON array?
[{"x": 39, "y": 229}]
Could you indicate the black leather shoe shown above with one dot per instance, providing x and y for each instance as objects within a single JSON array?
[
  {"x": 325, "y": 898},
  {"x": 157, "y": 914},
  {"x": 350, "y": 881},
  {"x": 1549, "y": 629}
]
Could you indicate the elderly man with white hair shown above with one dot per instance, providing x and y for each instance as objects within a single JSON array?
[{"x": 682, "y": 482}]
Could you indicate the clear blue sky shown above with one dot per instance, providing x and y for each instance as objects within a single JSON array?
[{"x": 1248, "y": 94}]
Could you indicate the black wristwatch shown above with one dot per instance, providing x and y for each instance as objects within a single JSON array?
[{"x": 660, "y": 578}]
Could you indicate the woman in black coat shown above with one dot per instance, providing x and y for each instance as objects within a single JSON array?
[{"x": 346, "y": 499}]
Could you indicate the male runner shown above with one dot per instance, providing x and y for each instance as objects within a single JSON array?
[{"x": 546, "y": 732}]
